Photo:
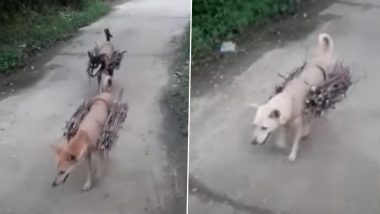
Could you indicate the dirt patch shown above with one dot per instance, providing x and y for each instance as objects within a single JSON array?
[{"x": 174, "y": 106}]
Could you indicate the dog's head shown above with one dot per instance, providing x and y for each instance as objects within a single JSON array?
[
  {"x": 94, "y": 60},
  {"x": 268, "y": 118},
  {"x": 68, "y": 156}
]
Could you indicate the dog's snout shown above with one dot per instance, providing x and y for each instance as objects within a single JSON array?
[
  {"x": 54, "y": 184},
  {"x": 254, "y": 142}
]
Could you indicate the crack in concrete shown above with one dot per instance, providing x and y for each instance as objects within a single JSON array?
[{"x": 206, "y": 193}]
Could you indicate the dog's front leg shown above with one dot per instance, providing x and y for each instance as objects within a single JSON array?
[
  {"x": 88, "y": 183},
  {"x": 297, "y": 138},
  {"x": 282, "y": 136},
  {"x": 100, "y": 82}
]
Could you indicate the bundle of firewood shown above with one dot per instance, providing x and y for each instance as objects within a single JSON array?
[
  {"x": 325, "y": 96},
  {"x": 116, "y": 117},
  {"x": 333, "y": 90},
  {"x": 72, "y": 124},
  {"x": 117, "y": 56},
  {"x": 295, "y": 73}
]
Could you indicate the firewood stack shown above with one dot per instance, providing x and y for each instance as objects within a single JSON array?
[
  {"x": 72, "y": 124},
  {"x": 324, "y": 97},
  {"x": 115, "y": 119},
  {"x": 295, "y": 73},
  {"x": 333, "y": 90},
  {"x": 116, "y": 59}
]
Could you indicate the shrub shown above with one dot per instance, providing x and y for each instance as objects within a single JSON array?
[{"x": 215, "y": 20}]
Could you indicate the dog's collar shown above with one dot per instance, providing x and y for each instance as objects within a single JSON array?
[{"x": 323, "y": 71}]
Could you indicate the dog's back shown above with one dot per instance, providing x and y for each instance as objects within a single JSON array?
[
  {"x": 313, "y": 74},
  {"x": 94, "y": 121},
  {"x": 107, "y": 47}
]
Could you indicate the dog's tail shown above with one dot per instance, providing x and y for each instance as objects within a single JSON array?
[
  {"x": 325, "y": 44},
  {"x": 108, "y": 34}
]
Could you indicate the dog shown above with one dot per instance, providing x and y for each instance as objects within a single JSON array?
[
  {"x": 101, "y": 58},
  {"x": 286, "y": 109},
  {"x": 84, "y": 144}
]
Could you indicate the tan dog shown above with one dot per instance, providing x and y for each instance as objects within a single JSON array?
[
  {"x": 287, "y": 107},
  {"x": 84, "y": 143}
]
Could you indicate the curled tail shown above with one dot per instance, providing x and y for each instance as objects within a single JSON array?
[
  {"x": 325, "y": 43},
  {"x": 108, "y": 34}
]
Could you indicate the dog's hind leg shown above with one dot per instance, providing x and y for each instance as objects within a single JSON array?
[
  {"x": 88, "y": 183},
  {"x": 297, "y": 138},
  {"x": 306, "y": 129}
]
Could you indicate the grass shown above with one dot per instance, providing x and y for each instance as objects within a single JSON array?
[
  {"x": 24, "y": 34},
  {"x": 217, "y": 20}
]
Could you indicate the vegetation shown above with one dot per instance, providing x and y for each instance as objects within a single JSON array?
[
  {"x": 27, "y": 26},
  {"x": 216, "y": 20}
]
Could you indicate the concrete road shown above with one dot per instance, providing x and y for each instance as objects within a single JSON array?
[
  {"x": 338, "y": 168},
  {"x": 141, "y": 176}
]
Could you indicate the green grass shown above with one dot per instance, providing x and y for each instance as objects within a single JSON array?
[
  {"x": 26, "y": 33},
  {"x": 217, "y": 20}
]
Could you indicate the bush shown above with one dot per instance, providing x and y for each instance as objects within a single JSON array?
[
  {"x": 215, "y": 20},
  {"x": 25, "y": 29}
]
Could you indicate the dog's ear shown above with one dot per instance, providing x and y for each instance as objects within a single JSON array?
[
  {"x": 89, "y": 54},
  {"x": 275, "y": 114},
  {"x": 282, "y": 116}
]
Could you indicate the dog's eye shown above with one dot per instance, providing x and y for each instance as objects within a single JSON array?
[
  {"x": 72, "y": 158},
  {"x": 61, "y": 172},
  {"x": 264, "y": 128}
]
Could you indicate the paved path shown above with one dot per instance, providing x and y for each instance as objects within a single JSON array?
[
  {"x": 338, "y": 168},
  {"x": 141, "y": 176}
]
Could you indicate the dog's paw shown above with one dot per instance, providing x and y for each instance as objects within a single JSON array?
[
  {"x": 292, "y": 157},
  {"x": 86, "y": 187}
]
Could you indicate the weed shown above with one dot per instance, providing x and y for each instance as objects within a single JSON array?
[
  {"x": 29, "y": 31},
  {"x": 216, "y": 20}
]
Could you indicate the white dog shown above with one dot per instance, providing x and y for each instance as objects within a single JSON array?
[{"x": 287, "y": 107}]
